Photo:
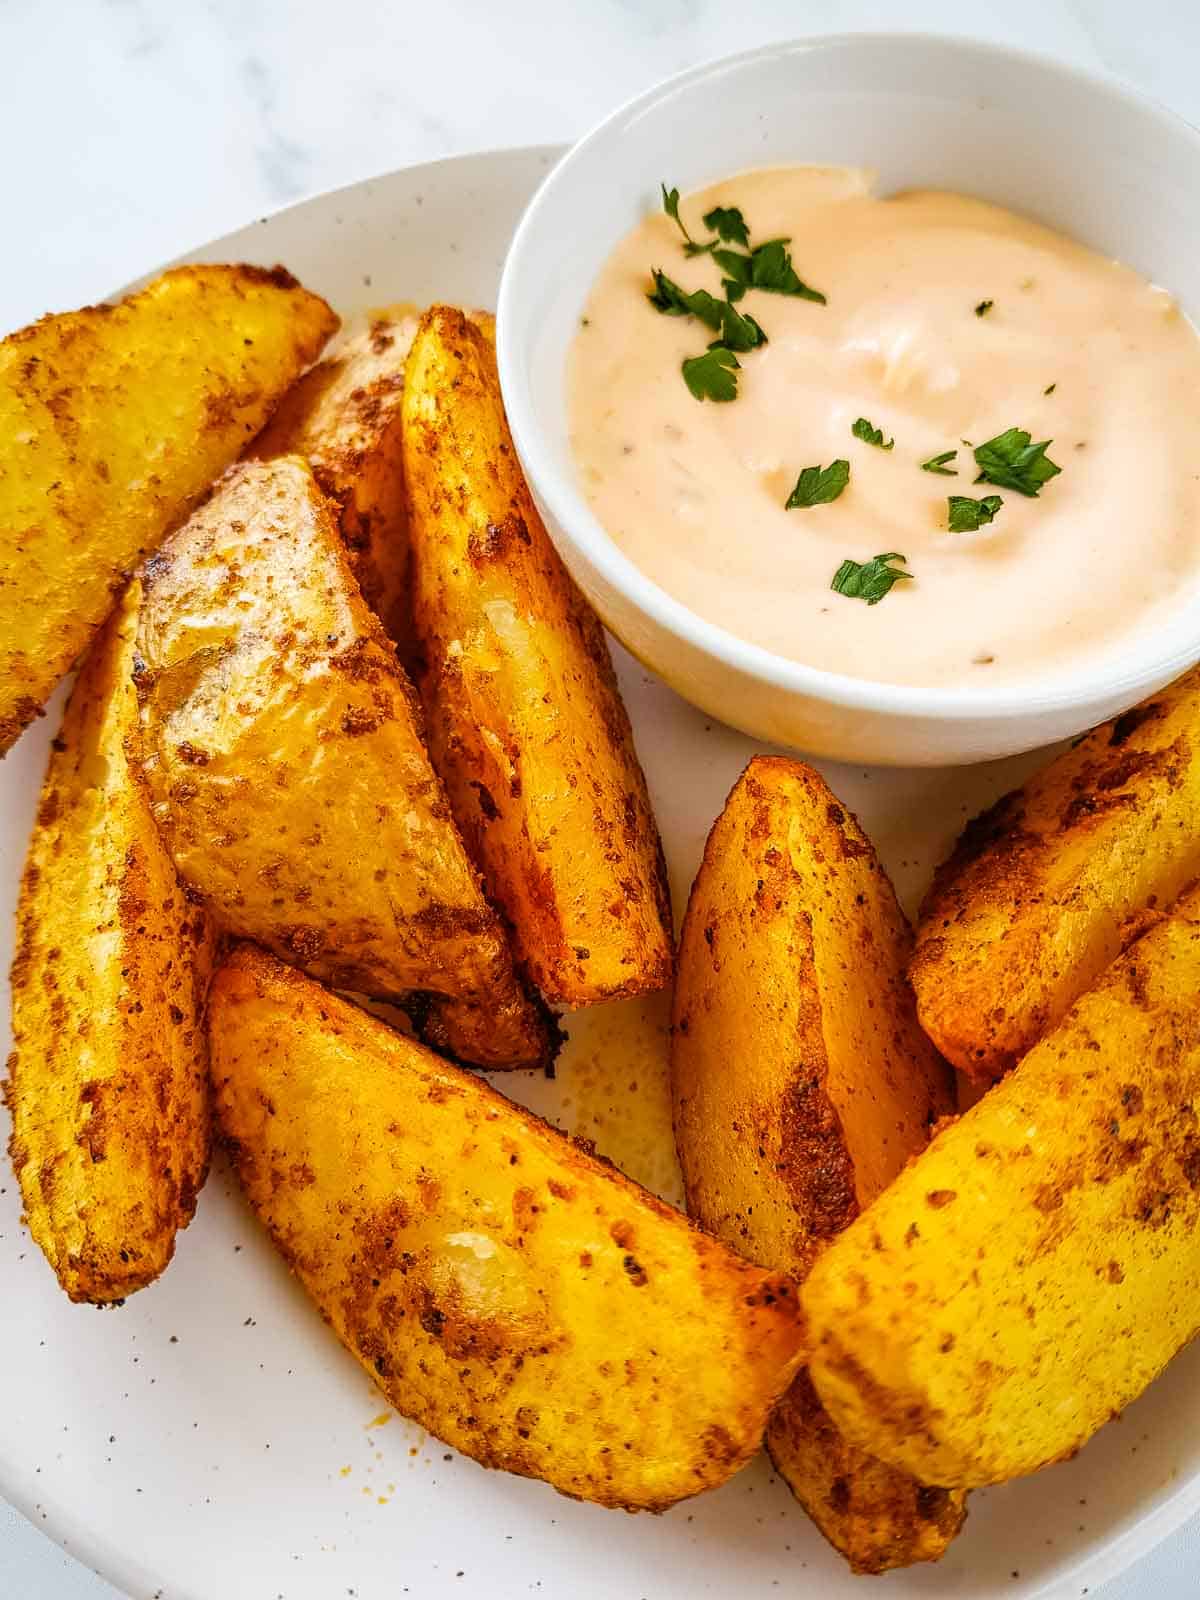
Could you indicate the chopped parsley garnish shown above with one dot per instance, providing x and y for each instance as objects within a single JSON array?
[
  {"x": 712, "y": 375},
  {"x": 728, "y": 224},
  {"x": 984, "y": 306},
  {"x": 739, "y": 331},
  {"x": 869, "y": 580},
  {"x": 1010, "y": 461},
  {"x": 938, "y": 464},
  {"x": 817, "y": 486},
  {"x": 863, "y": 430},
  {"x": 670, "y": 199},
  {"x": 966, "y": 515},
  {"x": 673, "y": 301},
  {"x": 769, "y": 267}
]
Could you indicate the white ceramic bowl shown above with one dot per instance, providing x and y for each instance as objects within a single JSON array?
[{"x": 1081, "y": 153}]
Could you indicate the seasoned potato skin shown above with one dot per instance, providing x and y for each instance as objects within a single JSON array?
[
  {"x": 1052, "y": 883},
  {"x": 109, "y": 1077},
  {"x": 802, "y": 1084},
  {"x": 526, "y": 723},
  {"x": 283, "y": 753},
  {"x": 113, "y": 421},
  {"x": 1029, "y": 1274},
  {"x": 512, "y": 1294},
  {"x": 344, "y": 418}
]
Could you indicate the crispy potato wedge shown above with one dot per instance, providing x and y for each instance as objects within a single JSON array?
[
  {"x": 109, "y": 1077},
  {"x": 526, "y": 723},
  {"x": 283, "y": 753},
  {"x": 514, "y": 1295},
  {"x": 344, "y": 418},
  {"x": 1030, "y": 1273},
  {"x": 801, "y": 1085},
  {"x": 113, "y": 421},
  {"x": 1052, "y": 883}
]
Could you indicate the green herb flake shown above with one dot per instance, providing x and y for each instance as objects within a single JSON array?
[
  {"x": 869, "y": 580},
  {"x": 1050, "y": 388},
  {"x": 984, "y": 306},
  {"x": 712, "y": 375},
  {"x": 739, "y": 331},
  {"x": 670, "y": 204},
  {"x": 938, "y": 464},
  {"x": 771, "y": 269},
  {"x": 728, "y": 224},
  {"x": 673, "y": 301},
  {"x": 817, "y": 486},
  {"x": 1010, "y": 461},
  {"x": 863, "y": 430},
  {"x": 967, "y": 515}
]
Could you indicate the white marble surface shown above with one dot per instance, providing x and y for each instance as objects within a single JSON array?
[{"x": 133, "y": 130}]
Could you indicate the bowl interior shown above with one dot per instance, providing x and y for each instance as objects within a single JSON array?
[{"x": 1082, "y": 154}]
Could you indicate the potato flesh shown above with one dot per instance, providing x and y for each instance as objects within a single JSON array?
[
  {"x": 802, "y": 1084},
  {"x": 285, "y": 763},
  {"x": 1029, "y": 1274},
  {"x": 113, "y": 421},
  {"x": 510, "y": 1293},
  {"x": 526, "y": 723},
  {"x": 1047, "y": 888},
  {"x": 344, "y": 418},
  {"x": 109, "y": 1082}
]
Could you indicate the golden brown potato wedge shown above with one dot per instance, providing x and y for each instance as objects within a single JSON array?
[
  {"x": 109, "y": 1080},
  {"x": 343, "y": 417},
  {"x": 526, "y": 723},
  {"x": 1030, "y": 1273},
  {"x": 283, "y": 752},
  {"x": 113, "y": 421},
  {"x": 802, "y": 1084},
  {"x": 514, "y": 1295},
  {"x": 1047, "y": 887}
]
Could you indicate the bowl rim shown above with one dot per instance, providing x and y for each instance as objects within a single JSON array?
[{"x": 1124, "y": 678}]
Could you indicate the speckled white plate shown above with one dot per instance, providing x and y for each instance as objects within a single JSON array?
[{"x": 210, "y": 1440}]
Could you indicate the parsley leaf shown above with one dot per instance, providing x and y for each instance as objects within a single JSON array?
[
  {"x": 863, "y": 430},
  {"x": 771, "y": 268},
  {"x": 736, "y": 268},
  {"x": 738, "y": 331},
  {"x": 938, "y": 464},
  {"x": 768, "y": 267},
  {"x": 984, "y": 306},
  {"x": 728, "y": 224},
  {"x": 817, "y": 486},
  {"x": 1011, "y": 462},
  {"x": 869, "y": 580},
  {"x": 709, "y": 376},
  {"x": 966, "y": 515},
  {"x": 673, "y": 301},
  {"x": 670, "y": 200}
]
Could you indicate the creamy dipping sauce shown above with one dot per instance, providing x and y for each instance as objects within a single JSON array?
[{"x": 1073, "y": 348}]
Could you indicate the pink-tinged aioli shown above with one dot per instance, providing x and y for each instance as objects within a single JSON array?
[{"x": 694, "y": 491}]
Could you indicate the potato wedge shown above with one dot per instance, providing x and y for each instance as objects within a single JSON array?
[
  {"x": 343, "y": 417},
  {"x": 514, "y": 1295},
  {"x": 801, "y": 1085},
  {"x": 109, "y": 1075},
  {"x": 283, "y": 753},
  {"x": 1052, "y": 883},
  {"x": 526, "y": 723},
  {"x": 113, "y": 421},
  {"x": 1030, "y": 1273}
]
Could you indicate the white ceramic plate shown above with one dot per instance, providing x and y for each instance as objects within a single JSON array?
[{"x": 210, "y": 1440}]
